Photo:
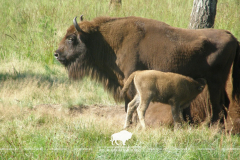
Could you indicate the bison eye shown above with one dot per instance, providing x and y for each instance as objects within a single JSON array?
[
  {"x": 200, "y": 88},
  {"x": 71, "y": 39}
]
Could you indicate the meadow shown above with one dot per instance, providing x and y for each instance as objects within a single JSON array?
[{"x": 36, "y": 95}]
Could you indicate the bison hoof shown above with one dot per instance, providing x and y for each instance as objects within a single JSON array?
[{"x": 177, "y": 126}]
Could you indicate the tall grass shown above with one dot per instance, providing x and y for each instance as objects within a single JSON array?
[
  {"x": 47, "y": 85},
  {"x": 33, "y": 29},
  {"x": 35, "y": 92}
]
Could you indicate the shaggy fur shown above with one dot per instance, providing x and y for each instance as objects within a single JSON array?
[
  {"x": 165, "y": 87},
  {"x": 110, "y": 49}
]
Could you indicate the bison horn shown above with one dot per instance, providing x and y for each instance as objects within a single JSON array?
[
  {"x": 81, "y": 18},
  {"x": 76, "y": 25}
]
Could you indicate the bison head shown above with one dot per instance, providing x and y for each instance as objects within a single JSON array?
[
  {"x": 72, "y": 50},
  {"x": 84, "y": 52},
  {"x": 71, "y": 46}
]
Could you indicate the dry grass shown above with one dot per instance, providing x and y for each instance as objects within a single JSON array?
[
  {"x": 24, "y": 86},
  {"x": 53, "y": 131}
]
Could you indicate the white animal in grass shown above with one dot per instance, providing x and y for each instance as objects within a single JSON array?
[{"x": 121, "y": 136}]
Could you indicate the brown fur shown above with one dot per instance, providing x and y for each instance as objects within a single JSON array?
[
  {"x": 110, "y": 49},
  {"x": 200, "y": 110},
  {"x": 233, "y": 119},
  {"x": 165, "y": 87}
]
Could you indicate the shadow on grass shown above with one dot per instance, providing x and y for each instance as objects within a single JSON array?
[{"x": 41, "y": 78}]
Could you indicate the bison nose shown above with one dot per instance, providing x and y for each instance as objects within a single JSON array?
[{"x": 56, "y": 55}]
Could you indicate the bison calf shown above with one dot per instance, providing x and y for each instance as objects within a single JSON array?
[{"x": 165, "y": 87}]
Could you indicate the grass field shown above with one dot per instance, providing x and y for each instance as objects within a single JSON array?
[{"x": 36, "y": 95}]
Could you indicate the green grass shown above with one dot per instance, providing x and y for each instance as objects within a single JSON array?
[
  {"x": 33, "y": 30},
  {"x": 36, "y": 94},
  {"x": 46, "y": 133}
]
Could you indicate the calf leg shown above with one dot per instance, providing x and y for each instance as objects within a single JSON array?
[
  {"x": 141, "y": 110},
  {"x": 131, "y": 108},
  {"x": 177, "y": 116},
  {"x": 126, "y": 103},
  {"x": 182, "y": 116}
]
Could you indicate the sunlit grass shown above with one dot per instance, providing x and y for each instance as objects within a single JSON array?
[
  {"x": 47, "y": 85},
  {"x": 33, "y": 30},
  {"x": 50, "y": 132}
]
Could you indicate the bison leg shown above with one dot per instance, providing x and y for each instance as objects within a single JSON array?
[
  {"x": 131, "y": 93},
  {"x": 116, "y": 142},
  {"x": 123, "y": 141},
  {"x": 177, "y": 116},
  {"x": 141, "y": 110},
  {"x": 112, "y": 141},
  {"x": 131, "y": 108},
  {"x": 217, "y": 100},
  {"x": 126, "y": 103},
  {"x": 184, "y": 114},
  {"x": 185, "y": 106},
  {"x": 226, "y": 103}
]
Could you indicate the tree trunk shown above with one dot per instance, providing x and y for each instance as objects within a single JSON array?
[
  {"x": 203, "y": 14},
  {"x": 115, "y": 4}
]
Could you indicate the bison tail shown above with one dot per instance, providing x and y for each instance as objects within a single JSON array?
[
  {"x": 127, "y": 84},
  {"x": 236, "y": 75}
]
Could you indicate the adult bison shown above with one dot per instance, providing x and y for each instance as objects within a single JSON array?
[{"x": 110, "y": 49}]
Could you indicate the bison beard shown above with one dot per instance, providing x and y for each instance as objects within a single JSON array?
[
  {"x": 110, "y": 49},
  {"x": 81, "y": 68}
]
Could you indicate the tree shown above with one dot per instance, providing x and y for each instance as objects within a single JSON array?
[
  {"x": 115, "y": 4},
  {"x": 203, "y": 14}
]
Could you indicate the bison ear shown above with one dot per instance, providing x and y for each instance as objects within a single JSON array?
[
  {"x": 201, "y": 88},
  {"x": 202, "y": 81}
]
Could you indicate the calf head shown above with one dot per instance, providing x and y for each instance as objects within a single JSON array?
[{"x": 202, "y": 82}]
